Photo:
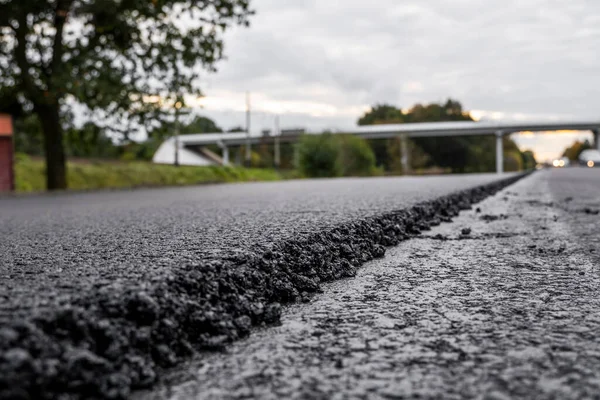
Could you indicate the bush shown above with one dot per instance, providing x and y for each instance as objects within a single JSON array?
[
  {"x": 356, "y": 158},
  {"x": 528, "y": 158},
  {"x": 330, "y": 155},
  {"x": 318, "y": 156},
  {"x": 513, "y": 161}
]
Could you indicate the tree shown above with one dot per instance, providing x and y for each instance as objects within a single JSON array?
[
  {"x": 355, "y": 157},
  {"x": 124, "y": 61},
  {"x": 445, "y": 152},
  {"x": 28, "y": 136},
  {"x": 382, "y": 114},
  {"x": 513, "y": 161},
  {"x": 328, "y": 155},
  {"x": 450, "y": 111},
  {"x": 318, "y": 156},
  {"x": 529, "y": 161},
  {"x": 573, "y": 151},
  {"x": 89, "y": 141},
  {"x": 461, "y": 154},
  {"x": 451, "y": 152},
  {"x": 198, "y": 124}
]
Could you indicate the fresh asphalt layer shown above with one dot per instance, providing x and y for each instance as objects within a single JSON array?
[
  {"x": 101, "y": 290},
  {"x": 502, "y": 303},
  {"x": 54, "y": 247}
]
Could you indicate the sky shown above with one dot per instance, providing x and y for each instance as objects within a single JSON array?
[{"x": 320, "y": 64}]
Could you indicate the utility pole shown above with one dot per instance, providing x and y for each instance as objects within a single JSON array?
[
  {"x": 499, "y": 152},
  {"x": 404, "y": 155},
  {"x": 177, "y": 107},
  {"x": 248, "y": 149},
  {"x": 277, "y": 133}
]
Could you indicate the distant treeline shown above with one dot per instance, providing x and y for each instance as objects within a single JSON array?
[
  {"x": 459, "y": 154},
  {"x": 572, "y": 152}
]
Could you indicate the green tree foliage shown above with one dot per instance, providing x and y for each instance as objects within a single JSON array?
[
  {"x": 447, "y": 151},
  {"x": 452, "y": 152},
  {"x": 529, "y": 161},
  {"x": 513, "y": 161},
  {"x": 418, "y": 158},
  {"x": 461, "y": 154},
  {"x": 89, "y": 141},
  {"x": 261, "y": 155},
  {"x": 318, "y": 156},
  {"x": 330, "y": 155},
  {"x": 451, "y": 110},
  {"x": 482, "y": 153},
  {"x": 110, "y": 56},
  {"x": 28, "y": 136},
  {"x": 382, "y": 114},
  {"x": 288, "y": 151},
  {"x": 382, "y": 149},
  {"x": 198, "y": 124},
  {"x": 573, "y": 151},
  {"x": 355, "y": 157}
]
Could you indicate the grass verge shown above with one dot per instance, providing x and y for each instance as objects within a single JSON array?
[{"x": 89, "y": 175}]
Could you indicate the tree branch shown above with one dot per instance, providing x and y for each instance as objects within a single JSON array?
[
  {"x": 29, "y": 86},
  {"x": 60, "y": 18}
]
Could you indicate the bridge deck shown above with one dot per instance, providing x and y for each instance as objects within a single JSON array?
[{"x": 432, "y": 129}]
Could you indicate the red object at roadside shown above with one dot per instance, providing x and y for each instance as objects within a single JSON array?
[{"x": 7, "y": 182}]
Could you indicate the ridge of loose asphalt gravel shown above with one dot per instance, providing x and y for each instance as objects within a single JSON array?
[
  {"x": 502, "y": 303},
  {"x": 117, "y": 334}
]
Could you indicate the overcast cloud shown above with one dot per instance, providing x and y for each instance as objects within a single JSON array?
[{"x": 321, "y": 63}]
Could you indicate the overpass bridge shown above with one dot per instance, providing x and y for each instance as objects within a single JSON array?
[{"x": 187, "y": 148}]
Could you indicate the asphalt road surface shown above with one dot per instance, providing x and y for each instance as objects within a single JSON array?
[
  {"x": 502, "y": 303},
  {"x": 103, "y": 291},
  {"x": 54, "y": 247}
]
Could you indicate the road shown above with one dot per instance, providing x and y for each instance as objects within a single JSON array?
[
  {"x": 501, "y": 303},
  {"x": 101, "y": 292}
]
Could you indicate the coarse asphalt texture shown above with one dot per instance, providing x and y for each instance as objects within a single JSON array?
[
  {"x": 502, "y": 303},
  {"x": 100, "y": 291}
]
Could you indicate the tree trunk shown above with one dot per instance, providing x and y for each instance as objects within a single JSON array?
[{"x": 56, "y": 173}]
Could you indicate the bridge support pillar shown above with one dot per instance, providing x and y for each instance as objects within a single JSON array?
[
  {"x": 499, "y": 152},
  {"x": 224, "y": 152},
  {"x": 404, "y": 155},
  {"x": 596, "y": 133},
  {"x": 277, "y": 150},
  {"x": 225, "y": 155}
]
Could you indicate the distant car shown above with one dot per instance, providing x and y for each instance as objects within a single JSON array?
[
  {"x": 561, "y": 162},
  {"x": 590, "y": 158}
]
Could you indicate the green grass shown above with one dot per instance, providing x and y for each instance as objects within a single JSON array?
[{"x": 90, "y": 175}]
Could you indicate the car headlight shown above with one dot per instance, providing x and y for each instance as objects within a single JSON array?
[{"x": 590, "y": 163}]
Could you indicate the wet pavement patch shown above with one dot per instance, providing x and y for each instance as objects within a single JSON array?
[{"x": 119, "y": 337}]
